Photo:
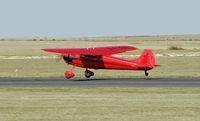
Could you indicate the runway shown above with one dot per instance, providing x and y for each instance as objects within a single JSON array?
[{"x": 100, "y": 82}]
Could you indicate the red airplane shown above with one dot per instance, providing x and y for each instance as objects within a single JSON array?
[{"x": 101, "y": 58}]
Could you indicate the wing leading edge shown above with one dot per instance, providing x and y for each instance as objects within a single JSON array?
[{"x": 100, "y": 51}]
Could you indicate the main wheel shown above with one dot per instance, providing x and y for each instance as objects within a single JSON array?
[
  {"x": 88, "y": 73},
  {"x": 69, "y": 74},
  {"x": 146, "y": 73}
]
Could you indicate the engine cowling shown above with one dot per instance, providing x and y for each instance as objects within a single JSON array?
[{"x": 68, "y": 58}]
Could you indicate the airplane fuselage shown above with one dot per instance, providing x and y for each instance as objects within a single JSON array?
[{"x": 104, "y": 62}]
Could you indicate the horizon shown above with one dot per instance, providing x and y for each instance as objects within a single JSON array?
[{"x": 37, "y": 37}]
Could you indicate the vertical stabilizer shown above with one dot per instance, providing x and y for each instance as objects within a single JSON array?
[{"x": 146, "y": 59}]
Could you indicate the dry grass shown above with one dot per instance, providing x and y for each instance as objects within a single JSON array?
[
  {"x": 100, "y": 104},
  {"x": 170, "y": 67},
  {"x": 176, "y": 47}
]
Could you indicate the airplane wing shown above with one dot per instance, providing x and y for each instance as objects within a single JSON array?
[{"x": 99, "y": 51}]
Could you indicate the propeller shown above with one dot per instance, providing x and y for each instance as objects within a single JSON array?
[{"x": 66, "y": 58}]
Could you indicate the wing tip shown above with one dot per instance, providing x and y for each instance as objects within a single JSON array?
[
  {"x": 46, "y": 49},
  {"x": 50, "y": 49}
]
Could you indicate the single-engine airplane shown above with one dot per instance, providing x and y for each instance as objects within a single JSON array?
[{"x": 102, "y": 58}]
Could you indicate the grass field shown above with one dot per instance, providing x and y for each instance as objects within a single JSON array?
[
  {"x": 100, "y": 104},
  {"x": 170, "y": 67},
  {"x": 172, "y": 64}
]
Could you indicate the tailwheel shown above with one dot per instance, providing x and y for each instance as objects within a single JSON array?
[
  {"x": 146, "y": 73},
  {"x": 88, "y": 73}
]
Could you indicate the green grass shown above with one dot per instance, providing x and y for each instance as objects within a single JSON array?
[{"x": 101, "y": 104}]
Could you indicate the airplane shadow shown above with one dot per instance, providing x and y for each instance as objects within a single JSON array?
[
  {"x": 117, "y": 79},
  {"x": 91, "y": 79}
]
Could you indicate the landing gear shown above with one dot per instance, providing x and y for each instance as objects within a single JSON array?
[
  {"x": 70, "y": 74},
  {"x": 88, "y": 73},
  {"x": 146, "y": 73}
]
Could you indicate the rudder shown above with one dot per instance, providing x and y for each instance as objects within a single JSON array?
[{"x": 146, "y": 59}]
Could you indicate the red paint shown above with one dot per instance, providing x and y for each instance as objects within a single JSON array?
[
  {"x": 69, "y": 74},
  {"x": 101, "y": 58}
]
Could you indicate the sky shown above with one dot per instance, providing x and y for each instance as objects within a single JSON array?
[{"x": 91, "y": 18}]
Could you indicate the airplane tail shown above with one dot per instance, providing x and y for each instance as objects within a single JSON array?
[{"x": 146, "y": 60}]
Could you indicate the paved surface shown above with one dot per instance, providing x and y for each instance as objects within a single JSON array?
[{"x": 105, "y": 82}]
